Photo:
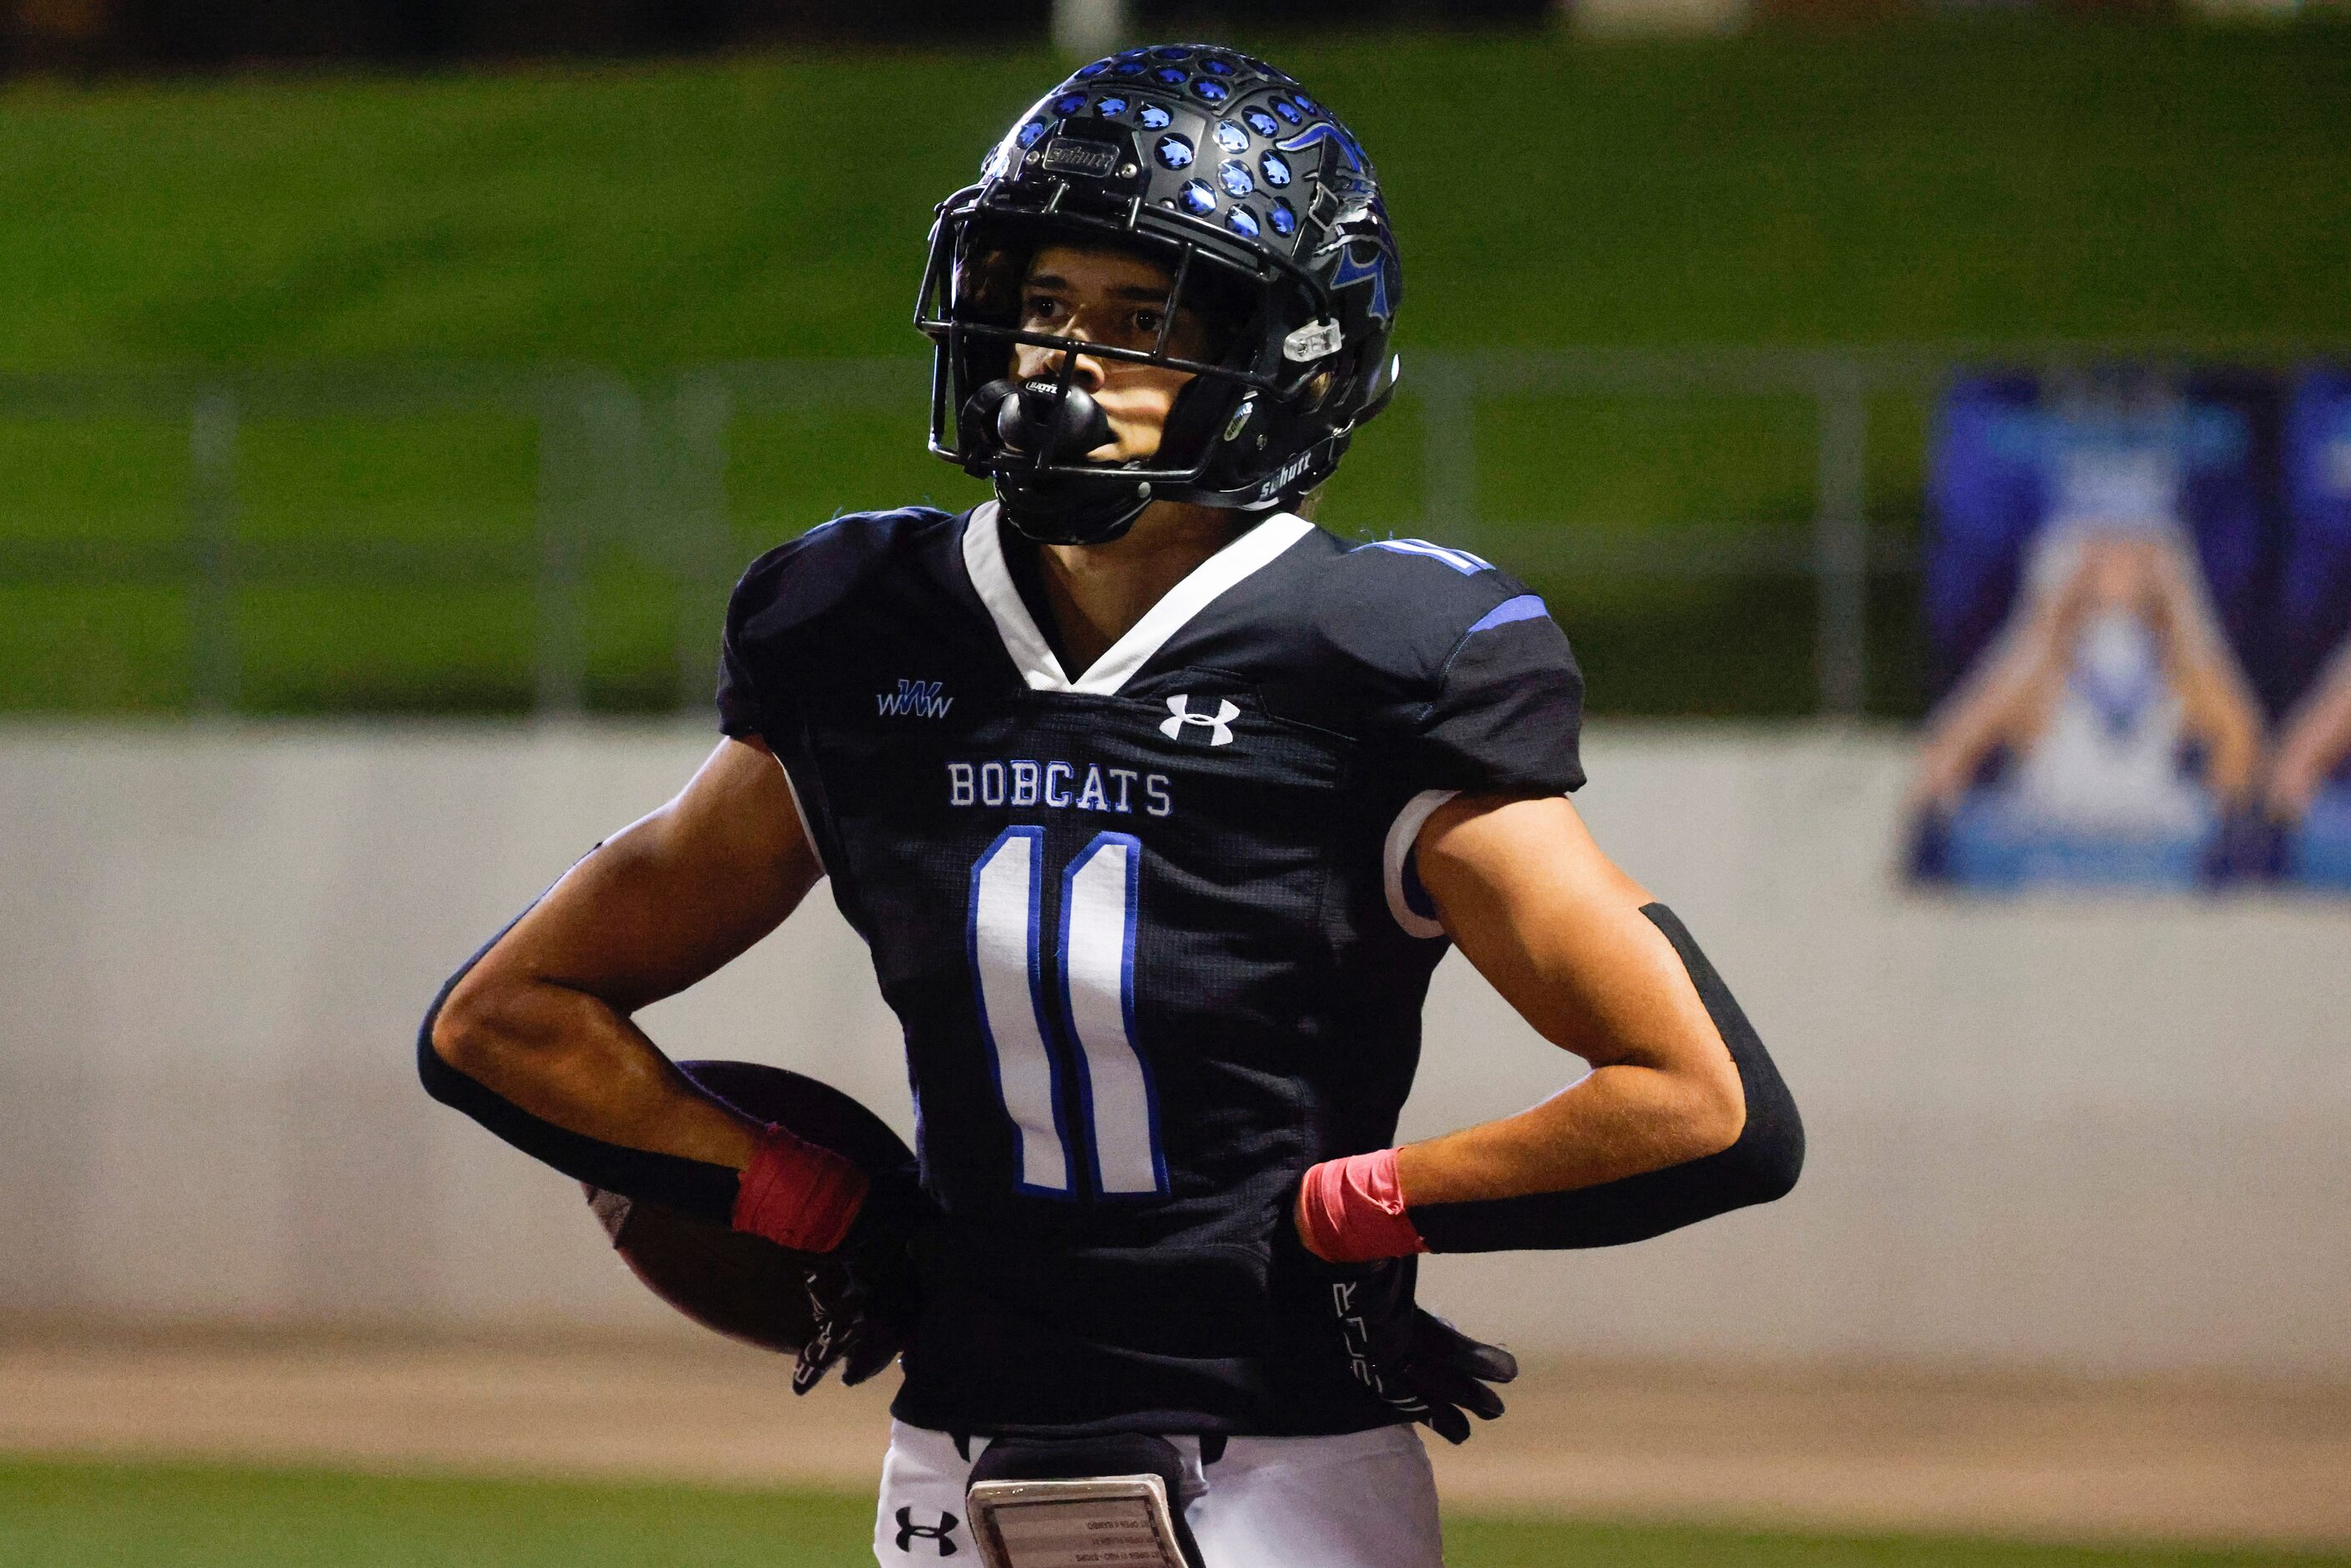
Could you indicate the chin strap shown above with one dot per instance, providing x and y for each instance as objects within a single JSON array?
[{"x": 1067, "y": 511}]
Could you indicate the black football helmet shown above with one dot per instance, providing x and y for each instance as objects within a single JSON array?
[{"x": 1267, "y": 214}]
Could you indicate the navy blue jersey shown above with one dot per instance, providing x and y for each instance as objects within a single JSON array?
[{"x": 1152, "y": 931}]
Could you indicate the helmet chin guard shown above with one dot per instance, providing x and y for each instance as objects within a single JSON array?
[
  {"x": 1047, "y": 421},
  {"x": 1263, "y": 212}
]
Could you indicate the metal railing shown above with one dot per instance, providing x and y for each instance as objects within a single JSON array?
[{"x": 645, "y": 464}]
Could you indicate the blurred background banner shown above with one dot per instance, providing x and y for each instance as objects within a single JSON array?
[
  {"x": 2137, "y": 598},
  {"x": 2311, "y": 790}
]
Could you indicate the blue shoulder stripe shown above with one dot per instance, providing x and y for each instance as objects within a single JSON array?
[{"x": 1525, "y": 607}]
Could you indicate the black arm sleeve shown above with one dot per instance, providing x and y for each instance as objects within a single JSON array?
[
  {"x": 704, "y": 1190},
  {"x": 1761, "y": 1166}
]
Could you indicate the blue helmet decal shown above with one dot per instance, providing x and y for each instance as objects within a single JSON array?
[
  {"x": 1153, "y": 116},
  {"x": 1069, "y": 103},
  {"x": 1306, "y": 103},
  {"x": 1231, "y": 137},
  {"x": 1198, "y": 199},
  {"x": 1242, "y": 222},
  {"x": 1285, "y": 217},
  {"x": 1171, "y": 52},
  {"x": 1275, "y": 169},
  {"x": 1168, "y": 76},
  {"x": 1175, "y": 151},
  {"x": 1287, "y": 111},
  {"x": 1088, "y": 73},
  {"x": 1209, "y": 90},
  {"x": 1375, "y": 271},
  {"x": 1031, "y": 131},
  {"x": 1323, "y": 131},
  {"x": 1261, "y": 122},
  {"x": 1234, "y": 176},
  {"x": 1218, "y": 68},
  {"x": 1110, "y": 104},
  {"x": 1127, "y": 69}
]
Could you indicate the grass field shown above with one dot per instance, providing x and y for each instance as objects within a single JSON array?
[
  {"x": 1990, "y": 179},
  {"x": 2003, "y": 179},
  {"x": 82, "y": 1515}
]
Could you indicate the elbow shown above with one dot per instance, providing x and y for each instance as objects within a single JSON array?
[
  {"x": 462, "y": 1036},
  {"x": 458, "y": 1031},
  {"x": 1713, "y": 1119},
  {"x": 1770, "y": 1169},
  {"x": 468, "y": 1036},
  {"x": 1744, "y": 1127},
  {"x": 1768, "y": 1157},
  {"x": 1755, "y": 1139}
]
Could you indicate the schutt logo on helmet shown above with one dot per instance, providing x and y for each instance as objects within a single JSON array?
[{"x": 1069, "y": 155}]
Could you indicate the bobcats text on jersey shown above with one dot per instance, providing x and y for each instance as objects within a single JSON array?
[{"x": 1058, "y": 787}]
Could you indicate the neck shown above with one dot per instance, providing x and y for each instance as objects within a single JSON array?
[{"x": 1098, "y": 591}]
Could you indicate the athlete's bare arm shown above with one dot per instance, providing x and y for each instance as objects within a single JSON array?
[
  {"x": 2317, "y": 739},
  {"x": 2004, "y": 702},
  {"x": 2217, "y": 707},
  {"x": 543, "y": 1020},
  {"x": 1558, "y": 930}
]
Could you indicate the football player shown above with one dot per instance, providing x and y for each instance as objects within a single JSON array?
[{"x": 1155, "y": 805}]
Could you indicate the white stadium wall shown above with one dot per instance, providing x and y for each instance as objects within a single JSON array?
[{"x": 2082, "y": 1134}]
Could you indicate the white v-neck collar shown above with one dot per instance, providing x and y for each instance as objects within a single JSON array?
[{"x": 1041, "y": 667}]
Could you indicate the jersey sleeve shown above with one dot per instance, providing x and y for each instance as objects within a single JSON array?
[
  {"x": 1506, "y": 714},
  {"x": 747, "y": 695},
  {"x": 1457, "y": 675},
  {"x": 1464, "y": 685},
  {"x": 776, "y": 616}
]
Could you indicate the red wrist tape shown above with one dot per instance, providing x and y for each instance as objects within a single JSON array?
[
  {"x": 798, "y": 1195},
  {"x": 1352, "y": 1211}
]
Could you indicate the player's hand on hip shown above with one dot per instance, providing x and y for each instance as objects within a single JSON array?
[
  {"x": 865, "y": 1296},
  {"x": 1414, "y": 1363},
  {"x": 1454, "y": 1374}
]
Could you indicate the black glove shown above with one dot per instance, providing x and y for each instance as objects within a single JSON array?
[
  {"x": 1451, "y": 1371},
  {"x": 863, "y": 1295},
  {"x": 1412, "y": 1361}
]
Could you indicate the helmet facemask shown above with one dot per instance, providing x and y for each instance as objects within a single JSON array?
[{"x": 1036, "y": 435}]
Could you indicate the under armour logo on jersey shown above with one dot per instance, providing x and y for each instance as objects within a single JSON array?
[
  {"x": 913, "y": 699},
  {"x": 1220, "y": 725},
  {"x": 941, "y": 1533}
]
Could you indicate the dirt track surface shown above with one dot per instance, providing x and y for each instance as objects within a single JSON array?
[{"x": 2051, "y": 1460}]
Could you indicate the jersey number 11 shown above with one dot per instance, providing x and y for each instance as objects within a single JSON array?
[{"x": 1094, "y": 1011}]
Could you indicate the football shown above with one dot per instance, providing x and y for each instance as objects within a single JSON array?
[{"x": 744, "y": 1287}]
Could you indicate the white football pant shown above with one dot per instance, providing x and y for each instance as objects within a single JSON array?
[{"x": 1362, "y": 1499}]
